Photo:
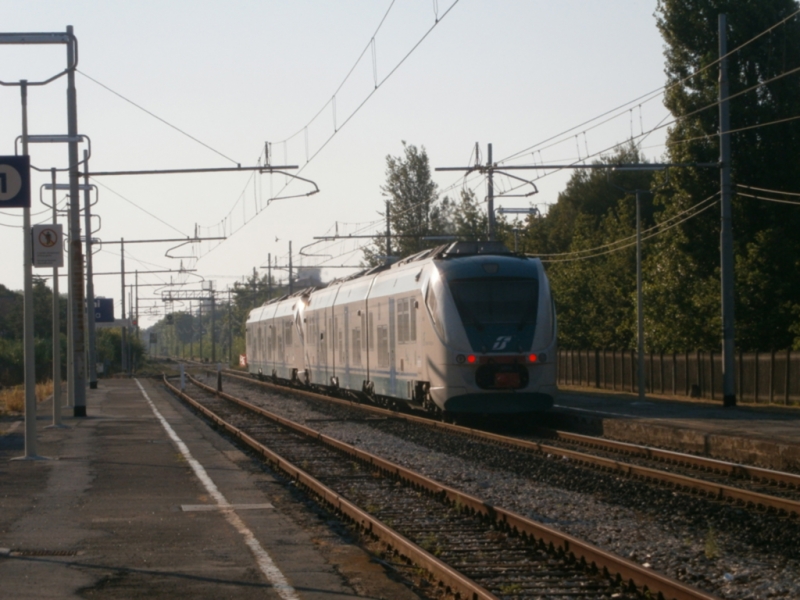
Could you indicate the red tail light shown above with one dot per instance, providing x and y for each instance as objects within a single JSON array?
[{"x": 532, "y": 358}]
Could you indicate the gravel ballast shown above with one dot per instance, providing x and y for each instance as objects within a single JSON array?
[{"x": 731, "y": 552}]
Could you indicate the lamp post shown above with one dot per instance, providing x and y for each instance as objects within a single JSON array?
[{"x": 640, "y": 378}]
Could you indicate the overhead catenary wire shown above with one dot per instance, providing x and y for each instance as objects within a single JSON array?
[
  {"x": 741, "y": 187},
  {"x": 652, "y": 234},
  {"x": 647, "y": 97},
  {"x": 667, "y": 222},
  {"x": 640, "y": 100},
  {"x": 132, "y": 203},
  {"x": 346, "y": 77},
  {"x": 155, "y": 116},
  {"x": 341, "y": 125}
]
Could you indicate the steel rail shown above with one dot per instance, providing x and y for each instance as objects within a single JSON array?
[
  {"x": 626, "y": 570},
  {"x": 717, "y": 490},
  {"x": 403, "y": 546},
  {"x": 681, "y": 458}
]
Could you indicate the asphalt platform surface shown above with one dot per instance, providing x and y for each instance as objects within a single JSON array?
[
  {"x": 141, "y": 499},
  {"x": 762, "y": 435}
]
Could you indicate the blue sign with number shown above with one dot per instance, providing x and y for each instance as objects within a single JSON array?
[
  {"x": 104, "y": 310},
  {"x": 15, "y": 181}
]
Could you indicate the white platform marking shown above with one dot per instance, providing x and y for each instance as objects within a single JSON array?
[
  {"x": 209, "y": 507},
  {"x": 270, "y": 570}
]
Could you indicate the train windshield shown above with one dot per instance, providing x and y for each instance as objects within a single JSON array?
[{"x": 508, "y": 301}]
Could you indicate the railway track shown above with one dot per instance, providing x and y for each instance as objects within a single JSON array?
[
  {"x": 746, "y": 486},
  {"x": 471, "y": 549},
  {"x": 764, "y": 481}
]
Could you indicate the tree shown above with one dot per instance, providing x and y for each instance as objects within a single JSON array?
[
  {"x": 414, "y": 211},
  {"x": 595, "y": 297},
  {"x": 764, "y": 154},
  {"x": 468, "y": 218}
]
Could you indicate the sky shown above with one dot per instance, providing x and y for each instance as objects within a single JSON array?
[{"x": 179, "y": 84}]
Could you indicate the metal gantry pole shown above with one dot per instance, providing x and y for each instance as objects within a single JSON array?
[
  {"x": 213, "y": 327},
  {"x": 639, "y": 304},
  {"x": 130, "y": 333},
  {"x": 290, "y": 269},
  {"x": 191, "y": 332},
  {"x": 230, "y": 330},
  {"x": 136, "y": 306},
  {"x": 56, "y": 325},
  {"x": 388, "y": 234},
  {"x": 490, "y": 188},
  {"x": 29, "y": 354},
  {"x": 90, "y": 308},
  {"x": 76, "y": 254},
  {"x": 70, "y": 353},
  {"x": 726, "y": 227},
  {"x": 201, "y": 330},
  {"x": 123, "y": 340}
]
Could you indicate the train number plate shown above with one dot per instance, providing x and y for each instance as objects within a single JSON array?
[{"x": 507, "y": 380}]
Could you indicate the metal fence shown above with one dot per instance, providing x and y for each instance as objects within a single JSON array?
[{"x": 761, "y": 377}]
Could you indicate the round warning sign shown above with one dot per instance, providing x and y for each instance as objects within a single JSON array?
[
  {"x": 48, "y": 238},
  {"x": 10, "y": 182}
]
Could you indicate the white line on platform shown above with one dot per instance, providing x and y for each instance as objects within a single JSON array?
[
  {"x": 607, "y": 413},
  {"x": 268, "y": 567},
  {"x": 209, "y": 507}
]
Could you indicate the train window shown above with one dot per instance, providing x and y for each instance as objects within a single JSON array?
[
  {"x": 364, "y": 328},
  {"x": 402, "y": 321},
  {"x": 371, "y": 338},
  {"x": 383, "y": 346},
  {"x": 356, "y": 346},
  {"x": 287, "y": 332},
  {"x": 432, "y": 303},
  {"x": 508, "y": 300},
  {"x": 412, "y": 320}
]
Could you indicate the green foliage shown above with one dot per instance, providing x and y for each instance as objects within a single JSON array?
[
  {"x": 595, "y": 298},
  {"x": 109, "y": 349},
  {"x": 684, "y": 269},
  {"x": 190, "y": 334},
  {"x": 12, "y": 371},
  {"x": 414, "y": 208},
  {"x": 465, "y": 218}
]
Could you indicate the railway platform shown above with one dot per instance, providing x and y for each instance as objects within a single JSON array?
[
  {"x": 763, "y": 435},
  {"x": 142, "y": 499}
]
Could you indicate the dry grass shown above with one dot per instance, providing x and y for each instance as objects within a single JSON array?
[{"x": 12, "y": 400}]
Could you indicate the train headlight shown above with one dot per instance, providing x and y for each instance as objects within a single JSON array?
[{"x": 460, "y": 359}]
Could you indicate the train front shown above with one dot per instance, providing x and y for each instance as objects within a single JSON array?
[{"x": 498, "y": 325}]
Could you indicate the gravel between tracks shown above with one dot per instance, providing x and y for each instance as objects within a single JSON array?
[{"x": 727, "y": 551}]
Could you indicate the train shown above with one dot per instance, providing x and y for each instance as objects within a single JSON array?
[{"x": 463, "y": 329}]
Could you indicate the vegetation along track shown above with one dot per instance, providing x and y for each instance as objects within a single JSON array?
[
  {"x": 469, "y": 547},
  {"x": 744, "y": 486}
]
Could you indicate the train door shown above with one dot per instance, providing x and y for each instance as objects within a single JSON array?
[
  {"x": 392, "y": 348},
  {"x": 299, "y": 339},
  {"x": 346, "y": 345},
  {"x": 322, "y": 349}
]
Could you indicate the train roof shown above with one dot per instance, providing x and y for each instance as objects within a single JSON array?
[{"x": 452, "y": 250}]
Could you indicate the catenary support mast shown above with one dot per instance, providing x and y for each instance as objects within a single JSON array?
[{"x": 726, "y": 228}]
